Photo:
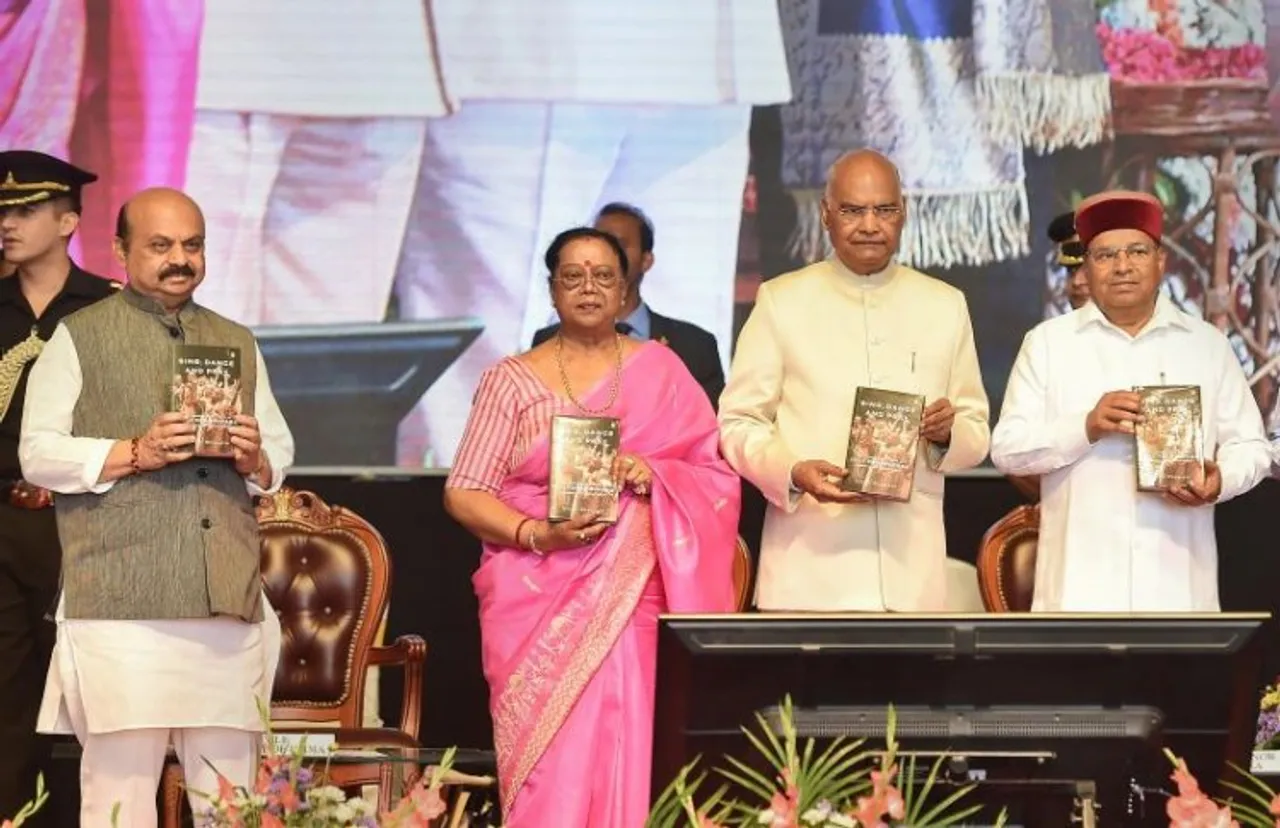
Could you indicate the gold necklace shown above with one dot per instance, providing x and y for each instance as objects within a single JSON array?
[{"x": 614, "y": 386}]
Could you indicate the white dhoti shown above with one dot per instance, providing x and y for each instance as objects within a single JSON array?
[
  {"x": 304, "y": 215},
  {"x": 127, "y": 689},
  {"x": 499, "y": 180}
]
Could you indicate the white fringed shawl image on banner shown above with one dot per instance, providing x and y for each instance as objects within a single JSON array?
[{"x": 952, "y": 92}]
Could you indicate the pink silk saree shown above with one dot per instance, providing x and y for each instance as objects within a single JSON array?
[{"x": 569, "y": 639}]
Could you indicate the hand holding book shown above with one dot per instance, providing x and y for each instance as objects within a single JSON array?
[
  {"x": 546, "y": 536},
  {"x": 169, "y": 439},
  {"x": 631, "y": 470},
  {"x": 821, "y": 481},
  {"x": 1117, "y": 412},
  {"x": 246, "y": 445},
  {"x": 936, "y": 424},
  {"x": 1204, "y": 487}
]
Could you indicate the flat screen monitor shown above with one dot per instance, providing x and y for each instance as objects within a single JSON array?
[{"x": 1058, "y": 699}]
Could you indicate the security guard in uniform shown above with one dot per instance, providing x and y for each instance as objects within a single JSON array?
[
  {"x": 39, "y": 212},
  {"x": 1062, "y": 232}
]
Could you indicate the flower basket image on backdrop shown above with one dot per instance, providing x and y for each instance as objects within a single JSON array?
[{"x": 846, "y": 785}]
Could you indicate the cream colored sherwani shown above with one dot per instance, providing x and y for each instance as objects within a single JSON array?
[{"x": 814, "y": 336}]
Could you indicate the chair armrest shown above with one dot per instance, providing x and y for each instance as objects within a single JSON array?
[
  {"x": 409, "y": 652},
  {"x": 380, "y": 737}
]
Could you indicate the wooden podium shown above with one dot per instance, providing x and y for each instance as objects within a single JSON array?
[{"x": 1077, "y": 697}]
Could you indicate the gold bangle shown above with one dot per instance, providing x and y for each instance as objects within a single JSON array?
[{"x": 520, "y": 528}]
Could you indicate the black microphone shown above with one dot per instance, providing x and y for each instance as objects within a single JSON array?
[{"x": 175, "y": 330}]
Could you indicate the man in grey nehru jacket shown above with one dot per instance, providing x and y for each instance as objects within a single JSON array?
[{"x": 163, "y": 634}]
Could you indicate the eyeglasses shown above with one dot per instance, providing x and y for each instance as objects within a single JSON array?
[
  {"x": 1107, "y": 256},
  {"x": 575, "y": 279},
  {"x": 851, "y": 213}
]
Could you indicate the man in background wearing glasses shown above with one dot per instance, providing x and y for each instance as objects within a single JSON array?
[{"x": 1069, "y": 415}]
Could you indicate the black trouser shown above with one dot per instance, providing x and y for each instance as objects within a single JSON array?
[{"x": 30, "y": 557}]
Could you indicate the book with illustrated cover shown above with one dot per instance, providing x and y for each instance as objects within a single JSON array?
[
  {"x": 1169, "y": 442},
  {"x": 206, "y": 386},
  {"x": 884, "y": 440},
  {"x": 582, "y": 453}
]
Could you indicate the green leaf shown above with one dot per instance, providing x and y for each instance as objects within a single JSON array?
[
  {"x": 939, "y": 816},
  {"x": 749, "y": 779},
  {"x": 1251, "y": 816},
  {"x": 908, "y": 791},
  {"x": 956, "y": 818},
  {"x": 1165, "y": 190}
]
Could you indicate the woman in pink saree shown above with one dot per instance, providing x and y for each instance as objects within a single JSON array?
[{"x": 568, "y": 610}]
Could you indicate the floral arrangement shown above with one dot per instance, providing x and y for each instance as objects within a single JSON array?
[
  {"x": 845, "y": 786},
  {"x": 287, "y": 794},
  {"x": 1167, "y": 41},
  {"x": 1192, "y": 808},
  {"x": 1148, "y": 57},
  {"x": 1268, "y": 735}
]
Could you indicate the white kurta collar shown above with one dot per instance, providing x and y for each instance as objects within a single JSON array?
[{"x": 1166, "y": 315}]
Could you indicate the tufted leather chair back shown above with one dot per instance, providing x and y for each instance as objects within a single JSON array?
[
  {"x": 1007, "y": 561},
  {"x": 326, "y": 573}
]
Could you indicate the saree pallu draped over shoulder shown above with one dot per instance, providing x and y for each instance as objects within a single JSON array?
[{"x": 556, "y": 628}]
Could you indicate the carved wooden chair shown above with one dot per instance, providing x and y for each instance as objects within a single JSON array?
[
  {"x": 742, "y": 574},
  {"x": 1007, "y": 561},
  {"x": 327, "y": 575}
]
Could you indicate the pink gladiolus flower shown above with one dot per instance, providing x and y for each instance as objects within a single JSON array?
[
  {"x": 420, "y": 807},
  {"x": 1191, "y": 808},
  {"x": 427, "y": 804},
  {"x": 885, "y": 800},
  {"x": 226, "y": 790},
  {"x": 785, "y": 805}
]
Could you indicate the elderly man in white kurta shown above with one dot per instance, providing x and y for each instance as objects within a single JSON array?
[
  {"x": 1069, "y": 415},
  {"x": 815, "y": 336},
  {"x": 565, "y": 106},
  {"x": 163, "y": 634}
]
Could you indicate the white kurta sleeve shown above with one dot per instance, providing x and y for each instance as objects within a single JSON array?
[
  {"x": 1242, "y": 454},
  {"x": 277, "y": 440},
  {"x": 971, "y": 430},
  {"x": 749, "y": 434},
  {"x": 1024, "y": 443},
  {"x": 49, "y": 455}
]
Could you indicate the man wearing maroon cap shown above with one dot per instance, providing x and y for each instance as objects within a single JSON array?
[{"x": 1069, "y": 415}]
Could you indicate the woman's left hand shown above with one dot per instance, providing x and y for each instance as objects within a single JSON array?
[{"x": 630, "y": 470}]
